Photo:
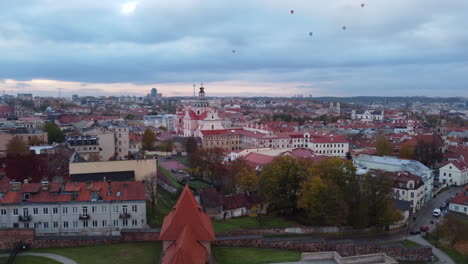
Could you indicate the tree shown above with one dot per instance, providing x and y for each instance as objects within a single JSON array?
[
  {"x": 323, "y": 202},
  {"x": 54, "y": 133},
  {"x": 148, "y": 140},
  {"x": 151, "y": 189},
  {"x": 16, "y": 147},
  {"x": 163, "y": 128},
  {"x": 247, "y": 179},
  {"x": 428, "y": 153},
  {"x": 280, "y": 183},
  {"x": 191, "y": 145},
  {"x": 349, "y": 156},
  {"x": 454, "y": 230},
  {"x": 406, "y": 151},
  {"x": 384, "y": 146},
  {"x": 35, "y": 141}
]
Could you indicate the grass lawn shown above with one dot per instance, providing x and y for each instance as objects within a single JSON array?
[
  {"x": 183, "y": 160},
  {"x": 124, "y": 253},
  {"x": 169, "y": 177},
  {"x": 406, "y": 243},
  {"x": 164, "y": 205},
  {"x": 251, "y": 222},
  {"x": 196, "y": 184},
  {"x": 233, "y": 255},
  {"x": 30, "y": 260}
]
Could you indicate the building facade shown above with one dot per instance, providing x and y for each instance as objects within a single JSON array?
[
  {"x": 87, "y": 208},
  {"x": 454, "y": 173}
]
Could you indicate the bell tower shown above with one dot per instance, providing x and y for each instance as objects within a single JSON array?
[{"x": 201, "y": 93}]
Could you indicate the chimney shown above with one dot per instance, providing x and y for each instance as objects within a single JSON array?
[
  {"x": 89, "y": 185},
  {"x": 109, "y": 188},
  {"x": 45, "y": 185},
  {"x": 15, "y": 186}
]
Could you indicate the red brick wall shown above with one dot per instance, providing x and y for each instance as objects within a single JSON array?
[
  {"x": 17, "y": 235},
  {"x": 139, "y": 236}
]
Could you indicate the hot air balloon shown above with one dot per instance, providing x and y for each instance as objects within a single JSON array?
[
  {"x": 233, "y": 51},
  {"x": 362, "y": 5},
  {"x": 311, "y": 33},
  {"x": 344, "y": 27},
  {"x": 292, "y": 12}
]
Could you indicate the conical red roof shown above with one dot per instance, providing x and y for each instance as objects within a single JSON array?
[
  {"x": 187, "y": 212},
  {"x": 186, "y": 249}
]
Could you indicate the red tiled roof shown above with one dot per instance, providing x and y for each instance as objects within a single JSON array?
[
  {"x": 121, "y": 191},
  {"x": 194, "y": 116},
  {"x": 185, "y": 250},
  {"x": 187, "y": 211},
  {"x": 462, "y": 166},
  {"x": 461, "y": 198},
  {"x": 240, "y": 200},
  {"x": 258, "y": 159}
]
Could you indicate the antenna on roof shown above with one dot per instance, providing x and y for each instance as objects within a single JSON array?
[{"x": 194, "y": 90}]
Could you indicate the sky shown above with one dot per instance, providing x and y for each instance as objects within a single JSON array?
[{"x": 236, "y": 48}]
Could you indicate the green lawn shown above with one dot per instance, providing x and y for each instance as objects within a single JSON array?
[
  {"x": 233, "y": 255},
  {"x": 183, "y": 160},
  {"x": 124, "y": 253},
  {"x": 251, "y": 222},
  {"x": 196, "y": 184},
  {"x": 169, "y": 177},
  {"x": 30, "y": 260},
  {"x": 164, "y": 205}
]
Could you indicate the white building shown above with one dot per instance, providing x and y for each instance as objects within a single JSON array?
[
  {"x": 393, "y": 164},
  {"x": 85, "y": 208},
  {"x": 454, "y": 173},
  {"x": 459, "y": 203},
  {"x": 367, "y": 115}
]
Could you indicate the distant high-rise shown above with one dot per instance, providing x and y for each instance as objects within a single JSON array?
[{"x": 154, "y": 92}]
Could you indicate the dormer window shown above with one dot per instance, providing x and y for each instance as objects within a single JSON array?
[{"x": 26, "y": 196}]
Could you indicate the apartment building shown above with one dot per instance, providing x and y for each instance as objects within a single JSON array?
[
  {"x": 87, "y": 146},
  {"x": 70, "y": 209}
]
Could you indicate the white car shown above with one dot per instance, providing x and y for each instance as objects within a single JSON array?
[{"x": 436, "y": 212}]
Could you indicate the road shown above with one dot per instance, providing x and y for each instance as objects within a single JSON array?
[{"x": 424, "y": 216}]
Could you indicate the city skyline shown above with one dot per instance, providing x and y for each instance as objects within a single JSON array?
[{"x": 236, "y": 49}]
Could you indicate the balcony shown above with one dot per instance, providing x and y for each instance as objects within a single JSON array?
[
  {"x": 84, "y": 217},
  {"x": 124, "y": 216},
  {"x": 24, "y": 218}
]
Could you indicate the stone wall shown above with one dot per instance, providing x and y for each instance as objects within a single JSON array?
[
  {"x": 139, "y": 235},
  {"x": 344, "y": 248}
]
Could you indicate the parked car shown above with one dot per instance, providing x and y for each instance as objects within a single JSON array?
[
  {"x": 415, "y": 232},
  {"x": 174, "y": 170},
  {"x": 424, "y": 228},
  {"x": 168, "y": 157},
  {"x": 437, "y": 212}
]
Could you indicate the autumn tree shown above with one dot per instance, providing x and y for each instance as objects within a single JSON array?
[
  {"x": 384, "y": 146},
  {"x": 280, "y": 183},
  {"x": 151, "y": 189},
  {"x": 191, "y": 145},
  {"x": 323, "y": 202},
  {"x": 247, "y": 179},
  {"x": 406, "y": 151},
  {"x": 54, "y": 133},
  {"x": 35, "y": 141},
  {"x": 230, "y": 180},
  {"x": 428, "y": 153},
  {"x": 16, "y": 147},
  {"x": 148, "y": 140},
  {"x": 454, "y": 230}
]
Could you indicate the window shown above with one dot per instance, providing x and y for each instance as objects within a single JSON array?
[
  {"x": 75, "y": 224},
  {"x": 65, "y": 224},
  {"x": 412, "y": 194},
  {"x": 445, "y": 174},
  {"x": 124, "y": 209},
  {"x": 450, "y": 174},
  {"x": 104, "y": 223},
  {"x": 25, "y": 211},
  {"x": 64, "y": 210},
  {"x": 116, "y": 208},
  {"x": 3, "y": 211},
  {"x": 124, "y": 222},
  {"x": 94, "y": 223},
  {"x": 75, "y": 210},
  {"x": 45, "y": 211},
  {"x": 94, "y": 209},
  {"x": 55, "y": 225},
  {"x": 85, "y": 224},
  {"x": 26, "y": 225},
  {"x": 134, "y": 208},
  {"x": 116, "y": 223},
  {"x": 35, "y": 211},
  {"x": 46, "y": 225},
  {"x": 15, "y": 211},
  {"x": 85, "y": 210},
  {"x": 134, "y": 222},
  {"x": 55, "y": 210},
  {"x": 104, "y": 209},
  {"x": 36, "y": 225}
]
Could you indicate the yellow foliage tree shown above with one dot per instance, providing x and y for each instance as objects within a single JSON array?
[{"x": 247, "y": 179}]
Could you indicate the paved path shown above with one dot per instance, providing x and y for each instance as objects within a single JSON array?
[
  {"x": 55, "y": 257},
  {"x": 443, "y": 258}
]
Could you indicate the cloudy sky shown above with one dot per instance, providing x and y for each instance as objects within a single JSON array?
[{"x": 89, "y": 47}]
